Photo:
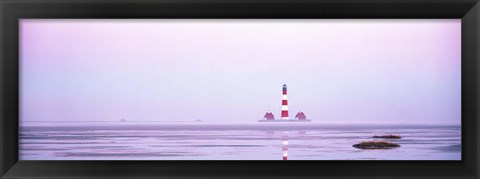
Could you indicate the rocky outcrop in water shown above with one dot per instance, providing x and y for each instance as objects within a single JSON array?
[
  {"x": 376, "y": 145},
  {"x": 387, "y": 136}
]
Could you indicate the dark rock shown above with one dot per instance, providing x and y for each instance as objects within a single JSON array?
[
  {"x": 387, "y": 136},
  {"x": 376, "y": 145}
]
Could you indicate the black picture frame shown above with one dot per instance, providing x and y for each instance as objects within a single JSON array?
[{"x": 13, "y": 10}]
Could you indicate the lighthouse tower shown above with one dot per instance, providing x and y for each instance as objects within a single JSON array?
[{"x": 284, "y": 103}]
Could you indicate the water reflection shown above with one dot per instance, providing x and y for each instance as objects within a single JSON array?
[
  {"x": 214, "y": 142},
  {"x": 285, "y": 145},
  {"x": 284, "y": 139}
]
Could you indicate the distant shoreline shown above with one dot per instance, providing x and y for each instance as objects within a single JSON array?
[
  {"x": 200, "y": 126},
  {"x": 233, "y": 122}
]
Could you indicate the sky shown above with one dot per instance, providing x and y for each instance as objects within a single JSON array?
[{"x": 337, "y": 71}]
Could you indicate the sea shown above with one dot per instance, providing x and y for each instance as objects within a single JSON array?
[{"x": 233, "y": 141}]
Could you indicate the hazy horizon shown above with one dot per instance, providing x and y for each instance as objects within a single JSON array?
[
  {"x": 337, "y": 71},
  {"x": 246, "y": 122}
]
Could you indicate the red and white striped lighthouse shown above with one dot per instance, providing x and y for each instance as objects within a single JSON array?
[{"x": 284, "y": 103}]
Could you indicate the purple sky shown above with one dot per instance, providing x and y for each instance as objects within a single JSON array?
[{"x": 337, "y": 71}]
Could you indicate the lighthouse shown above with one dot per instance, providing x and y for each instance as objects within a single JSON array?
[
  {"x": 284, "y": 103},
  {"x": 269, "y": 117}
]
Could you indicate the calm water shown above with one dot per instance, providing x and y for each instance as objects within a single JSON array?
[{"x": 209, "y": 141}]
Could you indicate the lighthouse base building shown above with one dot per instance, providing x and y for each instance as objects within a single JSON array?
[
  {"x": 269, "y": 117},
  {"x": 285, "y": 120}
]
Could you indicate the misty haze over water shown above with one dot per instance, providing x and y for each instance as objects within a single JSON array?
[{"x": 231, "y": 141}]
